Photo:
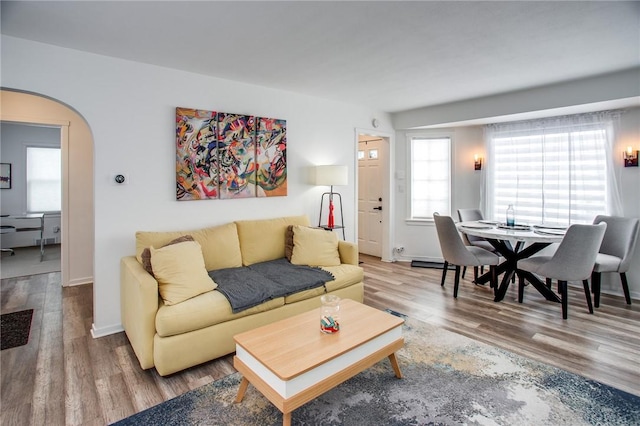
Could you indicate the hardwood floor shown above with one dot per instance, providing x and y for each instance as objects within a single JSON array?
[{"x": 64, "y": 376}]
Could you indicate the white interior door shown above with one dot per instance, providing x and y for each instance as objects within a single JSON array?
[{"x": 370, "y": 188}]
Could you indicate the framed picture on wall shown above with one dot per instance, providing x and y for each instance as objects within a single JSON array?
[{"x": 5, "y": 175}]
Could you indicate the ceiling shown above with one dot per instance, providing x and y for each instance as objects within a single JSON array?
[{"x": 391, "y": 56}]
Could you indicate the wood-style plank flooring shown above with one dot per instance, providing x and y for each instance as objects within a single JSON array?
[{"x": 64, "y": 376}]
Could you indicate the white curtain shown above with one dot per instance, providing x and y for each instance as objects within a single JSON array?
[{"x": 555, "y": 170}]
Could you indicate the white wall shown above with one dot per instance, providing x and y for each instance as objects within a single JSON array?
[
  {"x": 14, "y": 140},
  {"x": 420, "y": 239},
  {"x": 130, "y": 108}
]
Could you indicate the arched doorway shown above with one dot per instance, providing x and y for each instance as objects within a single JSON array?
[{"x": 77, "y": 215}]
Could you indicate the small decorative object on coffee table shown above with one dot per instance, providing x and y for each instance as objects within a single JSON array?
[
  {"x": 290, "y": 363},
  {"x": 330, "y": 314}
]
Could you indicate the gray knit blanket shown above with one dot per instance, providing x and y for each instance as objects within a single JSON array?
[{"x": 250, "y": 286}]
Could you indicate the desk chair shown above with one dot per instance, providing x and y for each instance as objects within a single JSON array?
[
  {"x": 572, "y": 261},
  {"x": 456, "y": 253},
  {"x": 615, "y": 252}
]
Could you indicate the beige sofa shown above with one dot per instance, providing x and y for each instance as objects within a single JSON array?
[{"x": 199, "y": 329}]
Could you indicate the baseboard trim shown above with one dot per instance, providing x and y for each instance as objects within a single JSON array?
[
  {"x": 79, "y": 281},
  {"x": 105, "y": 331}
]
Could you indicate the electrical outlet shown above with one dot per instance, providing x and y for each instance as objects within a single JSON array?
[{"x": 56, "y": 229}]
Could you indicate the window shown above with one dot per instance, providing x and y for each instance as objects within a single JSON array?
[
  {"x": 44, "y": 181},
  {"x": 554, "y": 171},
  {"x": 430, "y": 176}
]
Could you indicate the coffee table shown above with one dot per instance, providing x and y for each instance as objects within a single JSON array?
[{"x": 292, "y": 362}]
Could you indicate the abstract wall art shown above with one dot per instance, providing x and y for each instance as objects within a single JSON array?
[
  {"x": 271, "y": 157},
  {"x": 221, "y": 155}
]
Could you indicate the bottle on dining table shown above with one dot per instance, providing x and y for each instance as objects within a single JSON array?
[{"x": 511, "y": 216}]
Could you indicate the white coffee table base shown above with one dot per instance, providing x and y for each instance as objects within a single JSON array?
[{"x": 287, "y": 395}]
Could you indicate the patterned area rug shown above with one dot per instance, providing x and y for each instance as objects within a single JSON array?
[
  {"x": 448, "y": 379},
  {"x": 15, "y": 328}
]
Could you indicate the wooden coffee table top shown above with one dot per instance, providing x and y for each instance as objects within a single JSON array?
[{"x": 295, "y": 345}]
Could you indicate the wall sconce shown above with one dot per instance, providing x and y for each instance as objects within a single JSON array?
[
  {"x": 631, "y": 157},
  {"x": 477, "y": 162}
]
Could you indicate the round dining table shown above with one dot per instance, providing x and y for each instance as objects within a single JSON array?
[{"x": 514, "y": 243}]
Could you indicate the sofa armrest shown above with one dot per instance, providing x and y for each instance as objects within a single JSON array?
[
  {"x": 348, "y": 252},
  {"x": 138, "y": 308}
]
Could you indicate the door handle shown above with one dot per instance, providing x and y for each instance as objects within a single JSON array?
[{"x": 378, "y": 208}]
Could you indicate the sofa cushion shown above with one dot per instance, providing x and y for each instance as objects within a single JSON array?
[
  {"x": 220, "y": 244},
  {"x": 146, "y": 253},
  {"x": 345, "y": 275},
  {"x": 314, "y": 247},
  {"x": 203, "y": 311},
  {"x": 179, "y": 269},
  {"x": 264, "y": 240}
]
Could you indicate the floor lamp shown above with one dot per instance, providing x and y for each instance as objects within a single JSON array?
[{"x": 331, "y": 176}]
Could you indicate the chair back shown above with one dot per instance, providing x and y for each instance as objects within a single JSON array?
[
  {"x": 469, "y": 214},
  {"x": 465, "y": 215},
  {"x": 620, "y": 238},
  {"x": 576, "y": 254},
  {"x": 451, "y": 245}
]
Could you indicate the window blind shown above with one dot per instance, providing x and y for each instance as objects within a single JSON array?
[
  {"x": 553, "y": 173},
  {"x": 430, "y": 176},
  {"x": 44, "y": 179}
]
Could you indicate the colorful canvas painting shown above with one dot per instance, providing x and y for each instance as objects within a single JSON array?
[
  {"x": 226, "y": 156},
  {"x": 196, "y": 155},
  {"x": 271, "y": 157},
  {"x": 236, "y": 155}
]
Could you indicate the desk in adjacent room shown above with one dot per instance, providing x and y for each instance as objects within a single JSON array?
[{"x": 33, "y": 228}]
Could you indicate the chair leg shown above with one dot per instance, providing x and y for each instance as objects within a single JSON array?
[
  {"x": 587, "y": 294},
  {"x": 520, "y": 288},
  {"x": 464, "y": 271},
  {"x": 625, "y": 287},
  {"x": 595, "y": 284},
  {"x": 548, "y": 280},
  {"x": 444, "y": 272},
  {"x": 456, "y": 282},
  {"x": 562, "y": 286},
  {"x": 475, "y": 274}
]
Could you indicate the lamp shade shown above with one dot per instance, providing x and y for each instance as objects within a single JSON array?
[{"x": 331, "y": 175}]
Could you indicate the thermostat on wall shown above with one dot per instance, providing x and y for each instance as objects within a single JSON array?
[{"x": 120, "y": 178}]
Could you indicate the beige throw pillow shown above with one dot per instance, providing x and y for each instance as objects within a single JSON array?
[
  {"x": 314, "y": 247},
  {"x": 180, "y": 271},
  {"x": 146, "y": 253},
  {"x": 288, "y": 242}
]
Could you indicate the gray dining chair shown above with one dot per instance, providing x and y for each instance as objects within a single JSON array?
[
  {"x": 456, "y": 253},
  {"x": 572, "y": 261},
  {"x": 615, "y": 252},
  {"x": 467, "y": 215}
]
